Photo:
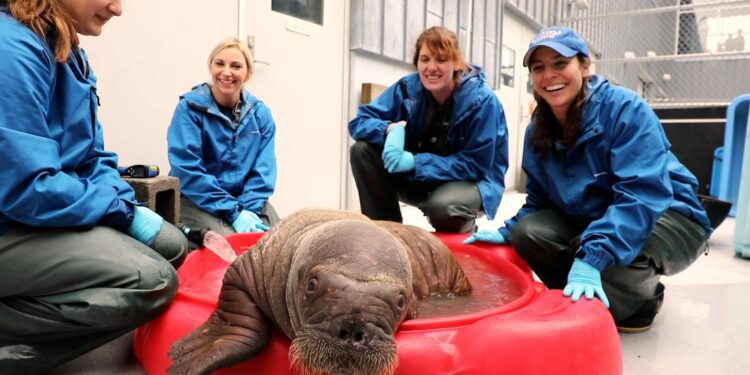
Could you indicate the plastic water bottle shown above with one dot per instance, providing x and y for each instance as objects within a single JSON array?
[
  {"x": 210, "y": 240},
  {"x": 219, "y": 245}
]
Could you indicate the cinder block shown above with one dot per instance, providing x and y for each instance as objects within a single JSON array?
[{"x": 161, "y": 194}]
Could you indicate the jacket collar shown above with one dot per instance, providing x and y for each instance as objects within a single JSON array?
[
  {"x": 464, "y": 96},
  {"x": 201, "y": 97},
  {"x": 591, "y": 125}
]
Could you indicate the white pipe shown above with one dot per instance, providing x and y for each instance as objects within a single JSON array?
[{"x": 241, "y": 19}]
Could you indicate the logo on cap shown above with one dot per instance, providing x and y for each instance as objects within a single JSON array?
[{"x": 549, "y": 33}]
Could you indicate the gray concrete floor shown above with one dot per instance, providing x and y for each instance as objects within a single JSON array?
[
  {"x": 116, "y": 357},
  {"x": 703, "y": 327}
]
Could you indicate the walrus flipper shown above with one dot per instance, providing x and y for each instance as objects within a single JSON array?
[{"x": 237, "y": 330}]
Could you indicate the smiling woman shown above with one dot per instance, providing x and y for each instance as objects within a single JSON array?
[
  {"x": 558, "y": 79},
  {"x": 81, "y": 261},
  {"x": 439, "y": 63},
  {"x": 435, "y": 139},
  {"x": 609, "y": 208},
  {"x": 230, "y": 65},
  {"x": 90, "y": 16},
  {"x": 221, "y": 146}
]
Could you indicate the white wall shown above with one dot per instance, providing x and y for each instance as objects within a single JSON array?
[
  {"x": 158, "y": 50},
  {"x": 517, "y": 102},
  {"x": 144, "y": 60},
  {"x": 303, "y": 83}
]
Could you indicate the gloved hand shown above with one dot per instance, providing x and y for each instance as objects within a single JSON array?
[
  {"x": 248, "y": 221},
  {"x": 584, "y": 279},
  {"x": 487, "y": 235},
  {"x": 146, "y": 225},
  {"x": 394, "y": 141},
  {"x": 404, "y": 163},
  {"x": 391, "y": 159}
]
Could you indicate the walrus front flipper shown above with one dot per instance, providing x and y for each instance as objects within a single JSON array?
[{"x": 237, "y": 330}]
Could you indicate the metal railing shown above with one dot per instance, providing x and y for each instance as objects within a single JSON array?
[{"x": 673, "y": 52}]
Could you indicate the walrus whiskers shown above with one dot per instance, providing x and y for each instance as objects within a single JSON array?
[{"x": 310, "y": 355}]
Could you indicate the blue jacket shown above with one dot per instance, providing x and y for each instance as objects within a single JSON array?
[
  {"x": 53, "y": 167},
  {"x": 478, "y": 135},
  {"x": 620, "y": 177},
  {"x": 223, "y": 169}
]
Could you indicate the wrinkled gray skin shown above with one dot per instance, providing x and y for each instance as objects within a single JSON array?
[{"x": 337, "y": 284}]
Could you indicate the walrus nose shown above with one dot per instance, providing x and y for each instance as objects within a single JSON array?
[{"x": 350, "y": 330}]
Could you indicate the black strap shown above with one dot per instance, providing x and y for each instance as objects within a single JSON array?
[{"x": 404, "y": 89}]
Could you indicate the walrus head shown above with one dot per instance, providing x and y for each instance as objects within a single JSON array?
[{"x": 351, "y": 288}]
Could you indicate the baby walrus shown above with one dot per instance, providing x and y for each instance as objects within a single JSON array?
[{"x": 336, "y": 283}]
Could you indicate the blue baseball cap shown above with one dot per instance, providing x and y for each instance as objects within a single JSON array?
[{"x": 561, "y": 39}]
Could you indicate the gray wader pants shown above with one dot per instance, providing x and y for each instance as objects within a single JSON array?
[
  {"x": 64, "y": 292},
  {"x": 548, "y": 239},
  {"x": 194, "y": 217},
  {"x": 449, "y": 206}
]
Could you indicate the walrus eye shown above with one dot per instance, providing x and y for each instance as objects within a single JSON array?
[
  {"x": 312, "y": 285},
  {"x": 401, "y": 301}
]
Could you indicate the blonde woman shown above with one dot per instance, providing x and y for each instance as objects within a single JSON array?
[{"x": 221, "y": 147}]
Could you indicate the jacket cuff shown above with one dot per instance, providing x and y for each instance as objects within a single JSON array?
[
  {"x": 119, "y": 215},
  {"x": 505, "y": 232},
  {"x": 597, "y": 259},
  {"x": 233, "y": 215}
]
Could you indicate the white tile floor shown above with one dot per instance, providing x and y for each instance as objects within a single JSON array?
[
  {"x": 703, "y": 328},
  {"x": 704, "y": 325}
]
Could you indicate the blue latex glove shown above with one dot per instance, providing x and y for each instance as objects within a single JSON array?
[
  {"x": 394, "y": 141},
  {"x": 146, "y": 225},
  {"x": 487, "y": 235},
  {"x": 394, "y": 145},
  {"x": 391, "y": 159},
  {"x": 404, "y": 163},
  {"x": 248, "y": 221},
  {"x": 584, "y": 279}
]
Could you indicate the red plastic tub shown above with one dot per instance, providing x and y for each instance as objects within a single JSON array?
[{"x": 540, "y": 332}]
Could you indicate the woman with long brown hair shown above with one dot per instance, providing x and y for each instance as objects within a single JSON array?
[
  {"x": 81, "y": 262},
  {"x": 609, "y": 208}
]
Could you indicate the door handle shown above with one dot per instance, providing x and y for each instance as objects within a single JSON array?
[{"x": 251, "y": 47}]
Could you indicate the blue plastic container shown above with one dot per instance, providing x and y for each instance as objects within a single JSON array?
[
  {"x": 742, "y": 224},
  {"x": 734, "y": 147},
  {"x": 716, "y": 172}
]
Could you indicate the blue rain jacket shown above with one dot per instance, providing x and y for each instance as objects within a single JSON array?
[
  {"x": 53, "y": 166},
  {"x": 478, "y": 134},
  {"x": 620, "y": 177},
  {"x": 223, "y": 169}
]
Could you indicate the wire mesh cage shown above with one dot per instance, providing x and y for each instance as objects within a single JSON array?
[{"x": 673, "y": 52}]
